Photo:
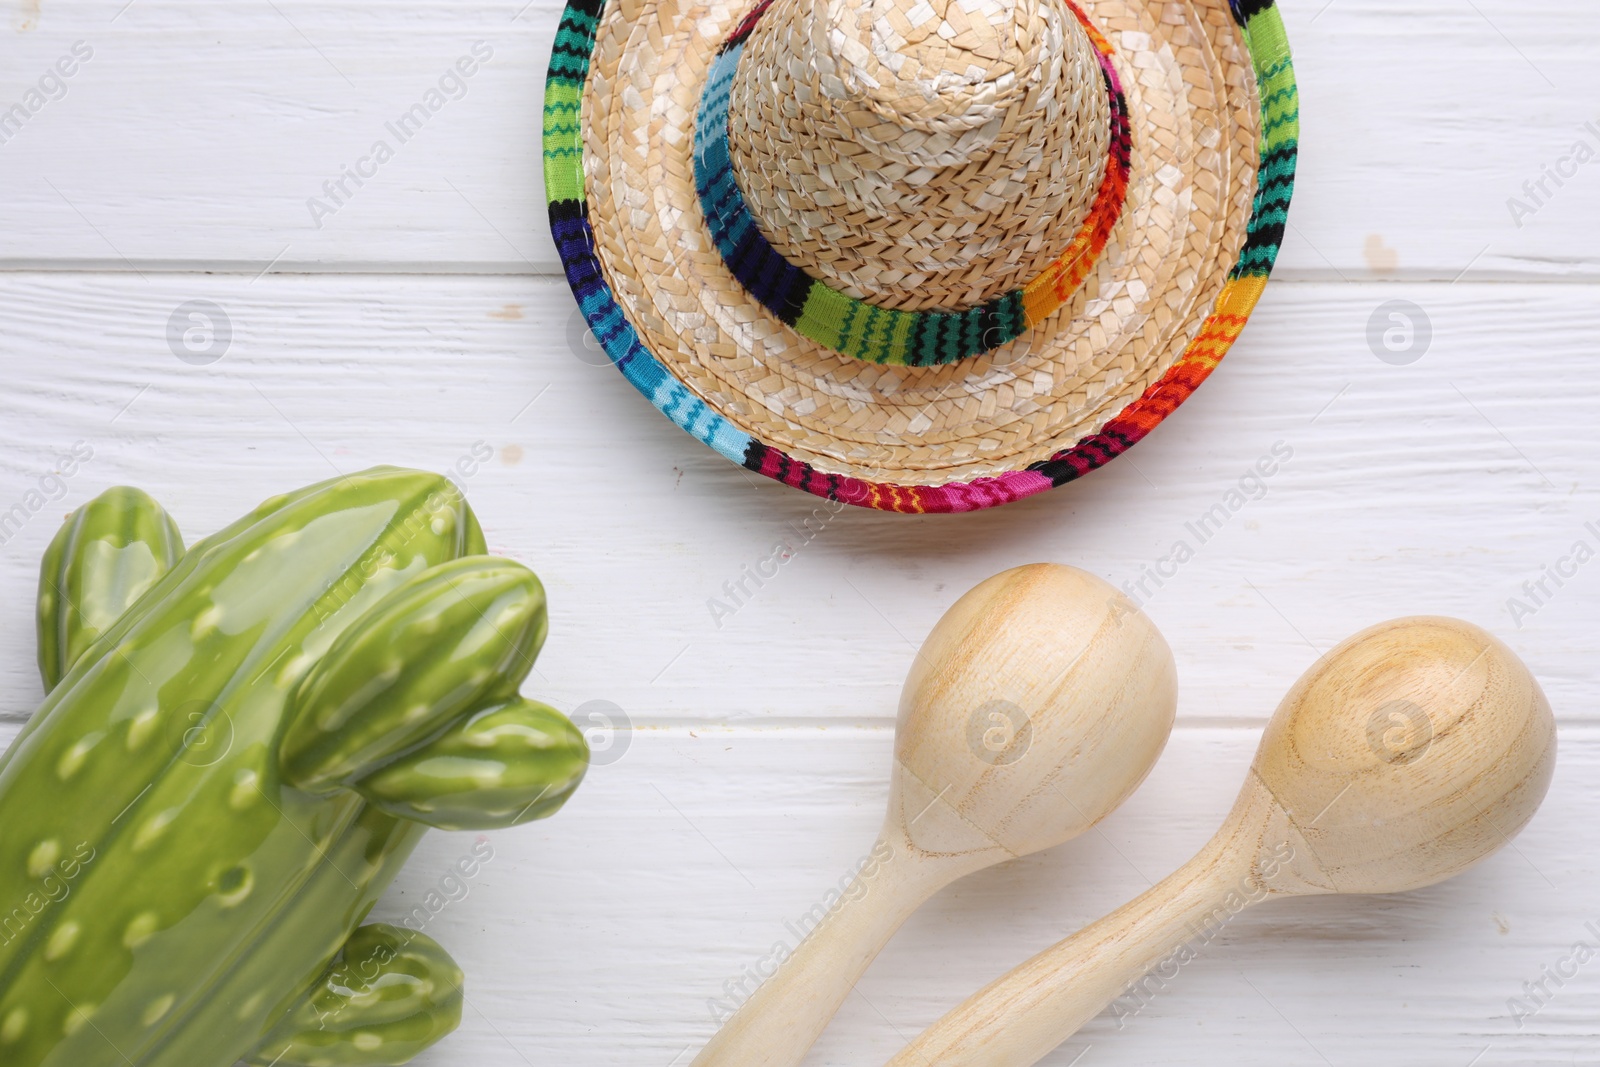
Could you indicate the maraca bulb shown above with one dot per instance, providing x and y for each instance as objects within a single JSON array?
[
  {"x": 1041, "y": 700},
  {"x": 1410, "y": 752},
  {"x": 1407, "y": 754},
  {"x": 1036, "y": 706}
]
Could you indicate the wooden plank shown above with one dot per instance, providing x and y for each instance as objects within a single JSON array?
[
  {"x": 599, "y": 936},
  {"x": 1460, "y": 483},
  {"x": 1437, "y": 487},
  {"x": 197, "y": 134}
]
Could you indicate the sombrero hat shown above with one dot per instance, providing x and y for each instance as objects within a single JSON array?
[{"x": 919, "y": 255}]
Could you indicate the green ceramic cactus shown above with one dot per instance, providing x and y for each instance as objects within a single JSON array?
[
  {"x": 390, "y": 994},
  {"x": 240, "y": 746},
  {"x": 103, "y": 559}
]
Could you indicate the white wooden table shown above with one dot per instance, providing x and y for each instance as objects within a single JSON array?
[{"x": 422, "y": 316}]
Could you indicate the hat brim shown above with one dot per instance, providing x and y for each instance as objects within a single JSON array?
[{"x": 1081, "y": 389}]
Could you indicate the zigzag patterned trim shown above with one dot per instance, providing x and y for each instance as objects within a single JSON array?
[
  {"x": 860, "y": 328},
  {"x": 569, "y": 223}
]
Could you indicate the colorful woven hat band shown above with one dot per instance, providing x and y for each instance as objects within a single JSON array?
[
  {"x": 863, "y": 329},
  {"x": 1262, "y": 32}
]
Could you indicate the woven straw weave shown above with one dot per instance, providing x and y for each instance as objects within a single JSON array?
[
  {"x": 1204, "y": 143},
  {"x": 1189, "y": 197},
  {"x": 919, "y": 160}
]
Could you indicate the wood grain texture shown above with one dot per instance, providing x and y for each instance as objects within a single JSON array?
[
  {"x": 599, "y": 937},
  {"x": 600, "y": 941},
  {"x": 191, "y": 142},
  {"x": 1036, "y": 706},
  {"x": 1439, "y": 487},
  {"x": 585, "y": 954},
  {"x": 1410, "y": 753},
  {"x": 198, "y": 132}
]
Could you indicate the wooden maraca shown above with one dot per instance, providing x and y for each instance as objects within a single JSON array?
[
  {"x": 1036, "y": 706},
  {"x": 1404, "y": 756}
]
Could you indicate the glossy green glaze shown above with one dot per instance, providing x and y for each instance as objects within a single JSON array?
[
  {"x": 457, "y": 636},
  {"x": 109, "y": 552},
  {"x": 189, "y": 846},
  {"x": 391, "y": 993},
  {"x": 498, "y": 767}
]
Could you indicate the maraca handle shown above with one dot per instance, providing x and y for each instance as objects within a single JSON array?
[
  {"x": 1019, "y": 1018},
  {"x": 778, "y": 1025}
]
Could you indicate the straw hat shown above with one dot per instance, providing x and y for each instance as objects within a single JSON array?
[{"x": 919, "y": 255}]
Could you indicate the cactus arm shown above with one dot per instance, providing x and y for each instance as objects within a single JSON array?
[
  {"x": 195, "y": 893},
  {"x": 266, "y": 978},
  {"x": 459, "y": 636},
  {"x": 442, "y": 499},
  {"x": 105, "y": 557},
  {"x": 500, "y": 767},
  {"x": 390, "y": 994},
  {"x": 472, "y": 542},
  {"x": 105, "y": 762}
]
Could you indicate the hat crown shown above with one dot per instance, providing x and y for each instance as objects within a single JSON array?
[
  {"x": 919, "y": 154},
  {"x": 940, "y": 71}
]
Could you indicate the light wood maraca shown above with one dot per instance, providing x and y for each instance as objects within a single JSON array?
[
  {"x": 1037, "y": 705},
  {"x": 1407, "y": 754}
]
